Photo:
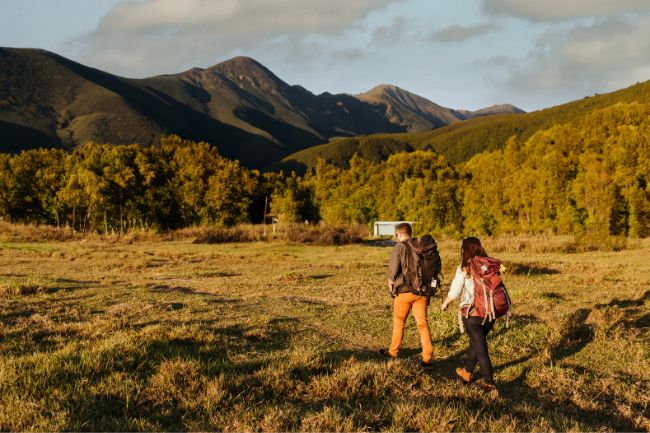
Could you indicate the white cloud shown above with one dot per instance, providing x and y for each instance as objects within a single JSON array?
[
  {"x": 552, "y": 10},
  {"x": 155, "y": 36},
  {"x": 392, "y": 33},
  {"x": 607, "y": 55},
  {"x": 458, "y": 33}
]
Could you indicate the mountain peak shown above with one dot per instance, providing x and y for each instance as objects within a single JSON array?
[
  {"x": 240, "y": 62},
  {"x": 380, "y": 90},
  {"x": 405, "y": 108},
  {"x": 385, "y": 87},
  {"x": 242, "y": 65},
  {"x": 492, "y": 110},
  {"x": 248, "y": 73}
]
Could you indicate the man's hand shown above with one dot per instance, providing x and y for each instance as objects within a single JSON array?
[
  {"x": 445, "y": 304},
  {"x": 390, "y": 285}
]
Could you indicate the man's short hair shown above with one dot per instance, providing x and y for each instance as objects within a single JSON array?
[{"x": 404, "y": 228}]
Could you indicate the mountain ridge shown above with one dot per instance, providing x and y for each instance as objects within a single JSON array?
[
  {"x": 239, "y": 105},
  {"x": 459, "y": 141},
  {"x": 405, "y": 108}
]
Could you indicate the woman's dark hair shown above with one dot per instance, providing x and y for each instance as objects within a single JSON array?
[{"x": 470, "y": 248}]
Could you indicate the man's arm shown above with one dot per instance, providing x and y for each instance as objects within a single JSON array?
[{"x": 394, "y": 264}]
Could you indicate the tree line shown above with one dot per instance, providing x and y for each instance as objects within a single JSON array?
[
  {"x": 101, "y": 187},
  {"x": 585, "y": 177}
]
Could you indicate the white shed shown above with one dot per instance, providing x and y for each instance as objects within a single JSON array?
[{"x": 387, "y": 228}]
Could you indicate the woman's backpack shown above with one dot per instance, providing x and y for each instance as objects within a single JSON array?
[
  {"x": 423, "y": 266},
  {"x": 491, "y": 299}
]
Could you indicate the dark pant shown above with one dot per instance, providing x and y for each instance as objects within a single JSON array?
[{"x": 478, "y": 349}]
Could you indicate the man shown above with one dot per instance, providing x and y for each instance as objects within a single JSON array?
[{"x": 405, "y": 299}]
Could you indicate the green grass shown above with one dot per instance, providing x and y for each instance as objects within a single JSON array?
[{"x": 279, "y": 337}]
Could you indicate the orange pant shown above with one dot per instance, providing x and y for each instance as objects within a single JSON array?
[{"x": 405, "y": 302}]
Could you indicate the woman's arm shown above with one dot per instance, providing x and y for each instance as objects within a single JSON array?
[{"x": 456, "y": 288}]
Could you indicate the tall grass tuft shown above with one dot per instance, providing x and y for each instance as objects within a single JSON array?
[
  {"x": 35, "y": 233},
  {"x": 220, "y": 235},
  {"x": 326, "y": 234},
  {"x": 545, "y": 243}
]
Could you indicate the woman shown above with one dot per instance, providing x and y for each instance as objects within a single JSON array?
[{"x": 477, "y": 328}]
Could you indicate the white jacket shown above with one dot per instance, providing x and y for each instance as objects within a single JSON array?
[{"x": 462, "y": 284}]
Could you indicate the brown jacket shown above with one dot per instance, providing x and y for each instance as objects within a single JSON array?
[{"x": 396, "y": 263}]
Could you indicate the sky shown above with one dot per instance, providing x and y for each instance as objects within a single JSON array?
[{"x": 463, "y": 54}]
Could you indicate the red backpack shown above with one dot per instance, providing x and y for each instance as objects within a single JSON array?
[{"x": 491, "y": 299}]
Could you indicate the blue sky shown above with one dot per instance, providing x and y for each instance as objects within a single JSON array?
[{"x": 461, "y": 54}]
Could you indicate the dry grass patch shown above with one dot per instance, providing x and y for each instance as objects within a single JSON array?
[{"x": 277, "y": 336}]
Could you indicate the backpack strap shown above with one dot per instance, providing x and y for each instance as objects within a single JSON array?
[
  {"x": 461, "y": 328},
  {"x": 485, "y": 298},
  {"x": 509, "y": 313},
  {"x": 414, "y": 252}
]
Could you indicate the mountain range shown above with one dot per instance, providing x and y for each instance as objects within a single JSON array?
[
  {"x": 459, "y": 141},
  {"x": 239, "y": 105}
]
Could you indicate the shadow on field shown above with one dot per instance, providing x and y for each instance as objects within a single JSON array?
[
  {"x": 553, "y": 296},
  {"x": 631, "y": 308},
  {"x": 530, "y": 269},
  {"x": 518, "y": 390},
  {"x": 320, "y": 277},
  {"x": 163, "y": 288},
  {"x": 575, "y": 335},
  {"x": 77, "y": 282},
  {"x": 643, "y": 322},
  {"x": 172, "y": 372},
  {"x": 220, "y": 274},
  {"x": 627, "y": 303},
  {"x": 224, "y": 301},
  {"x": 9, "y": 316},
  {"x": 366, "y": 355},
  {"x": 52, "y": 285},
  {"x": 516, "y": 322},
  {"x": 559, "y": 409}
]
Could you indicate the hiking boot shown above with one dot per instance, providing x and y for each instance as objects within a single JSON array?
[
  {"x": 386, "y": 354},
  {"x": 491, "y": 389},
  {"x": 426, "y": 365},
  {"x": 464, "y": 375}
]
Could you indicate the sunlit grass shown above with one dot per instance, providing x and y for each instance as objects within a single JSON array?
[{"x": 280, "y": 337}]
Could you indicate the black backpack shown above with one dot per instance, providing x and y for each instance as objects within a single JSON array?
[{"x": 423, "y": 266}]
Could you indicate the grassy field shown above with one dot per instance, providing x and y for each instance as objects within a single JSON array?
[{"x": 280, "y": 337}]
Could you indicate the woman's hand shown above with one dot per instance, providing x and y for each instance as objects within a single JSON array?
[{"x": 445, "y": 304}]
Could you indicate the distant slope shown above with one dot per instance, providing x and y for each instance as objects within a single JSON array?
[
  {"x": 245, "y": 94},
  {"x": 238, "y": 105},
  {"x": 491, "y": 111},
  {"x": 460, "y": 141},
  {"x": 376, "y": 148},
  {"x": 404, "y": 108},
  {"x": 47, "y": 100}
]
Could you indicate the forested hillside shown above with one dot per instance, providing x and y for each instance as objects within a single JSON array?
[
  {"x": 590, "y": 176},
  {"x": 586, "y": 177},
  {"x": 460, "y": 141}
]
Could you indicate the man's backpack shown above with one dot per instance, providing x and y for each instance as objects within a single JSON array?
[
  {"x": 423, "y": 265},
  {"x": 491, "y": 299}
]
